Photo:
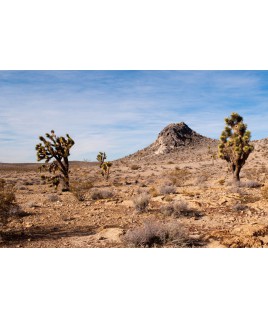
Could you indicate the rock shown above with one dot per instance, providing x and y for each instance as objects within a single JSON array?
[{"x": 174, "y": 136}]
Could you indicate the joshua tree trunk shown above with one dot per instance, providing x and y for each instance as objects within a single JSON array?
[
  {"x": 235, "y": 169},
  {"x": 65, "y": 184},
  {"x": 236, "y": 173},
  {"x": 65, "y": 174}
]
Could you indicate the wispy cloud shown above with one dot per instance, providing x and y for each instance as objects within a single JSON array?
[{"x": 122, "y": 111}]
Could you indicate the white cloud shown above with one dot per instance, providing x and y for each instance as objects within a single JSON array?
[{"x": 121, "y": 113}]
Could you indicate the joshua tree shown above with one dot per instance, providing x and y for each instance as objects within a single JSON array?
[
  {"x": 57, "y": 148},
  {"x": 235, "y": 144},
  {"x": 105, "y": 166}
]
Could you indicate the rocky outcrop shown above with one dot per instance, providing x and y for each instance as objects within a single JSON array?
[{"x": 175, "y": 136}]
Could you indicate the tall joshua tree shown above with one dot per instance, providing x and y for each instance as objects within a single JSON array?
[
  {"x": 56, "y": 149},
  {"x": 235, "y": 146}
]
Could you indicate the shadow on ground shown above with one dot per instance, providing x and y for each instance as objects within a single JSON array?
[{"x": 44, "y": 233}]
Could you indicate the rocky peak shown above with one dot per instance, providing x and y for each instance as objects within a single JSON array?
[{"x": 174, "y": 136}]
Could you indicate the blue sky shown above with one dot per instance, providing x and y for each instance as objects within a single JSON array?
[{"x": 120, "y": 112}]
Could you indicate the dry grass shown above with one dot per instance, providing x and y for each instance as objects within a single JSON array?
[
  {"x": 239, "y": 207},
  {"x": 201, "y": 179},
  {"x": 154, "y": 192},
  {"x": 167, "y": 189},
  {"x": 178, "y": 176},
  {"x": 101, "y": 194},
  {"x": 81, "y": 189},
  {"x": 176, "y": 209},
  {"x": 156, "y": 234},
  {"x": 53, "y": 198},
  {"x": 250, "y": 184}
]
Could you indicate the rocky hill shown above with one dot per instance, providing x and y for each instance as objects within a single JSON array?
[{"x": 175, "y": 139}]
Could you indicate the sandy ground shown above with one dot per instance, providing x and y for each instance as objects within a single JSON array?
[{"x": 220, "y": 213}]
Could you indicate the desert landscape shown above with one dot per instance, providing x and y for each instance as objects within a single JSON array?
[{"x": 174, "y": 193}]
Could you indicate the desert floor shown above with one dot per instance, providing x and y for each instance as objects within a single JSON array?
[{"x": 212, "y": 211}]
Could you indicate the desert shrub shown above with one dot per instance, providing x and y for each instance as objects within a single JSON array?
[
  {"x": 7, "y": 199},
  {"x": 239, "y": 207},
  {"x": 80, "y": 190},
  {"x": 135, "y": 167},
  {"x": 167, "y": 189},
  {"x": 221, "y": 181},
  {"x": 20, "y": 187},
  {"x": 156, "y": 234},
  {"x": 250, "y": 184},
  {"x": 168, "y": 198},
  {"x": 176, "y": 209},
  {"x": 141, "y": 202},
  {"x": 244, "y": 184},
  {"x": 27, "y": 183},
  {"x": 178, "y": 176},
  {"x": 101, "y": 194},
  {"x": 53, "y": 198},
  {"x": 7, "y": 196},
  {"x": 153, "y": 192},
  {"x": 201, "y": 179}
]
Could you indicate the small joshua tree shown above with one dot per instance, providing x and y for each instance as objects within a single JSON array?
[
  {"x": 105, "y": 166},
  {"x": 212, "y": 154},
  {"x": 235, "y": 144},
  {"x": 57, "y": 148}
]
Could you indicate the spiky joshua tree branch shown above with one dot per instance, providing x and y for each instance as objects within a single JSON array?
[
  {"x": 56, "y": 149},
  {"x": 235, "y": 146}
]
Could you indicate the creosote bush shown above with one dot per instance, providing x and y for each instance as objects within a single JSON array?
[{"x": 141, "y": 202}]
